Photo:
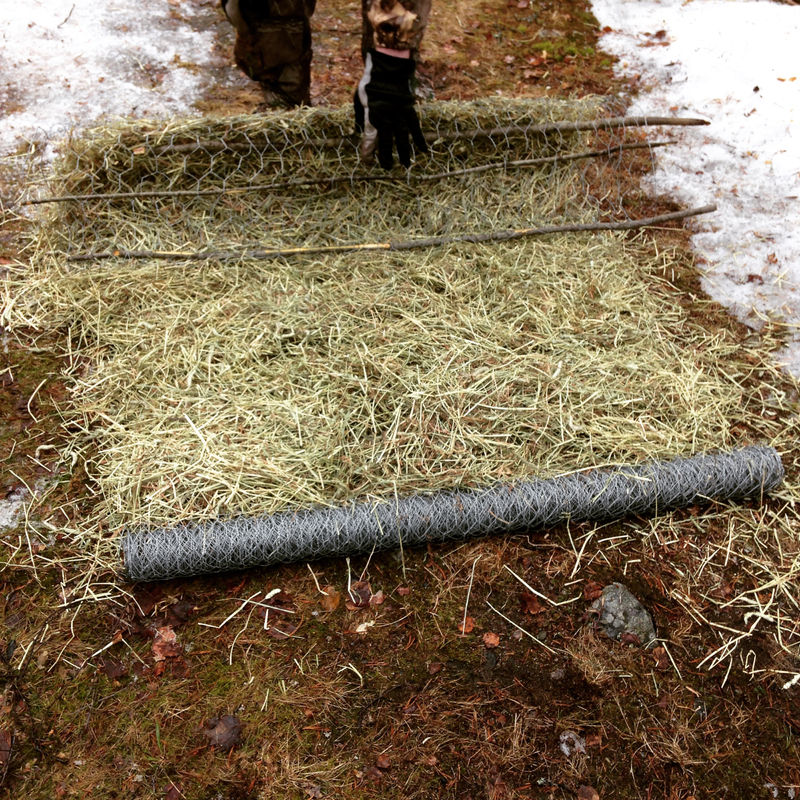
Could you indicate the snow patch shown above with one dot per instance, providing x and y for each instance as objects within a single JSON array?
[
  {"x": 68, "y": 63},
  {"x": 735, "y": 63},
  {"x": 10, "y": 509}
]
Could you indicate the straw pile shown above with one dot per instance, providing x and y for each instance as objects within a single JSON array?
[{"x": 251, "y": 386}]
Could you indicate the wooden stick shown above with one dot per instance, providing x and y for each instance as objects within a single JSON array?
[
  {"x": 323, "y": 180},
  {"x": 408, "y": 244},
  {"x": 609, "y": 123}
]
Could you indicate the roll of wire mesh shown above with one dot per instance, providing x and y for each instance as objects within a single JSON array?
[{"x": 600, "y": 494}]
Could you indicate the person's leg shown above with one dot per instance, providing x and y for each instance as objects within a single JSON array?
[{"x": 273, "y": 45}]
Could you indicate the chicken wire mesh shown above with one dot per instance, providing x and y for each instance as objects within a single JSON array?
[
  {"x": 203, "y": 391},
  {"x": 279, "y": 180},
  {"x": 309, "y": 534},
  {"x": 217, "y": 388}
]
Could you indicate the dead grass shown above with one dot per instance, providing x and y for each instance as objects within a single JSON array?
[{"x": 366, "y": 375}]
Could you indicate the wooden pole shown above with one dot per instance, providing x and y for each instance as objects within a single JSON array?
[
  {"x": 358, "y": 178},
  {"x": 408, "y": 244}
]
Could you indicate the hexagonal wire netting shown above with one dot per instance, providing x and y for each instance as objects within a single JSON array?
[
  {"x": 262, "y": 187},
  {"x": 233, "y": 544},
  {"x": 243, "y": 186}
]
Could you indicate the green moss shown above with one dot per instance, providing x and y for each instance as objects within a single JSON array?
[
  {"x": 586, "y": 17},
  {"x": 560, "y": 49}
]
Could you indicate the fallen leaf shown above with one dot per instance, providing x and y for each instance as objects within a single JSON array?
[
  {"x": 434, "y": 667},
  {"x": 331, "y": 599},
  {"x": 491, "y": 640},
  {"x": 587, "y": 793},
  {"x": 661, "y": 658},
  {"x": 173, "y": 792},
  {"x": 592, "y": 590},
  {"x": 467, "y": 625},
  {"x": 378, "y": 598},
  {"x": 146, "y": 599},
  {"x": 223, "y": 732},
  {"x": 165, "y": 644},
  {"x": 530, "y": 604},
  {"x": 403, "y": 591},
  {"x": 114, "y": 669},
  {"x": 179, "y": 612},
  {"x": 283, "y": 600},
  {"x": 281, "y": 630},
  {"x": 358, "y": 595},
  {"x": 629, "y": 638},
  {"x": 364, "y": 627},
  {"x": 373, "y": 774},
  {"x": 382, "y": 761}
]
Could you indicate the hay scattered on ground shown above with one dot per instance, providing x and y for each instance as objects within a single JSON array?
[{"x": 248, "y": 387}]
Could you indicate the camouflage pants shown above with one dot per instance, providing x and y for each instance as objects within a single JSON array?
[{"x": 273, "y": 38}]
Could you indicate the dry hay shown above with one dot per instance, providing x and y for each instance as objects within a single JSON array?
[{"x": 245, "y": 387}]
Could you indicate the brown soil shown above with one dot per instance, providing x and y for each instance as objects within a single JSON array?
[{"x": 388, "y": 699}]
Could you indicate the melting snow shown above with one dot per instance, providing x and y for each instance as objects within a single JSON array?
[
  {"x": 67, "y": 63},
  {"x": 10, "y": 509},
  {"x": 734, "y": 62}
]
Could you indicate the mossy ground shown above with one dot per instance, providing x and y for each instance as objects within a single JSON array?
[{"x": 390, "y": 699}]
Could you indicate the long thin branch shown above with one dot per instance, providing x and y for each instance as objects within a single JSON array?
[
  {"x": 392, "y": 246},
  {"x": 431, "y": 137},
  {"x": 324, "y": 180}
]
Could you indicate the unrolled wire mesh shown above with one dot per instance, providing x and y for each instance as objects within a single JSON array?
[
  {"x": 273, "y": 181},
  {"x": 247, "y": 387},
  {"x": 309, "y": 534},
  {"x": 251, "y": 386}
]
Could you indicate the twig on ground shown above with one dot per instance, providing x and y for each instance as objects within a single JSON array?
[
  {"x": 518, "y": 627},
  {"x": 233, "y": 614},
  {"x": 326, "y": 180},
  {"x": 539, "y": 594},
  {"x": 316, "y": 582},
  {"x": 66, "y": 19},
  {"x": 466, "y": 602},
  {"x": 392, "y": 246}
]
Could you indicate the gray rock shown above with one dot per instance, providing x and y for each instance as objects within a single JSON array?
[{"x": 620, "y": 613}]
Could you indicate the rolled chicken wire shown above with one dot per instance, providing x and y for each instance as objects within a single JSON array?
[{"x": 602, "y": 494}]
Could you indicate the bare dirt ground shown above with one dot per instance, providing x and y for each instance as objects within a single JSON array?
[{"x": 381, "y": 691}]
